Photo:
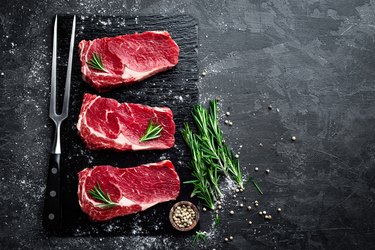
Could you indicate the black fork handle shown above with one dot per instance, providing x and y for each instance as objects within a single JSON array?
[{"x": 52, "y": 203}]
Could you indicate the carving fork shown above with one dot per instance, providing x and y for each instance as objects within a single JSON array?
[{"x": 52, "y": 204}]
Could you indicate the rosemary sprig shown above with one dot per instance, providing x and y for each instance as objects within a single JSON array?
[
  {"x": 230, "y": 163},
  {"x": 211, "y": 157},
  {"x": 212, "y": 142},
  {"x": 199, "y": 235},
  {"x": 96, "y": 62},
  {"x": 97, "y": 193},
  {"x": 152, "y": 132},
  {"x": 202, "y": 187}
]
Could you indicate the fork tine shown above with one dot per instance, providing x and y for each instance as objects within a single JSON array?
[
  {"x": 52, "y": 104},
  {"x": 65, "y": 109}
]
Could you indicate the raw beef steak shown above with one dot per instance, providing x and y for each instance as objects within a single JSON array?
[
  {"x": 133, "y": 189},
  {"x": 128, "y": 58},
  {"x": 106, "y": 124}
]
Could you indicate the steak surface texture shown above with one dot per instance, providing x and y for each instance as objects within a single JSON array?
[
  {"x": 127, "y": 59},
  {"x": 105, "y": 123},
  {"x": 133, "y": 189}
]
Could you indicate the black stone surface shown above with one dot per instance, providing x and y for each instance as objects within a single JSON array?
[
  {"x": 176, "y": 89},
  {"x": 313, "y": 61}
]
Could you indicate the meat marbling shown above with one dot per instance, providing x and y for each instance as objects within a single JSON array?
[
  {"x": 128, "y": 58},
  {"x": 133, "y": 189},
  {"x": 106, "y": 124}
]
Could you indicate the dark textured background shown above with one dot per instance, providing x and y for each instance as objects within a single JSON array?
[{"x": 314, "y": 61}]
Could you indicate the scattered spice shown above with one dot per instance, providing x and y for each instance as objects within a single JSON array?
[
  {"x": 268, "y": 217},
  {"x": 184, "y": 216}
]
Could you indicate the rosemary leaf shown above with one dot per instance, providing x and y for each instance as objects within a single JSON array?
[
  {"x": 257, "y": 187},
  {"x": 199, "y": 236},
  {"x": 217, "y": 220},
  {"x": 97, "y": 193},
  {"x": 153, "y": 131},
  {"x": 96, "y": 62}
]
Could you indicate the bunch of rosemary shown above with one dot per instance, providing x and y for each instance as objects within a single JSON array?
[{"x": 211, "y": 157}]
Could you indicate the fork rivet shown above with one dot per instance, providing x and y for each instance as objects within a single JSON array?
[{"x": 54, "y": 170}]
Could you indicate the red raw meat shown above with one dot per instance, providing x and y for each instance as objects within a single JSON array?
[
  {"x": 134, "y": 189},
  {"x": 106, "y": 124},
  {"x": 128, "y": 58}
]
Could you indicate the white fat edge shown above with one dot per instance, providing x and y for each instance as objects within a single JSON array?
[
  {"x": 161, "y": 109},
  {"x": 139, "y": 76},
  {"x": 159, "y": 32},
  {"x": 122, "y": 140},
  {"x": 83, "y": 115},
  {"x": 148, "y": 205},
  {"x": 84, "y": 193},
  {"x": 86, "y": 68},
  {"x": 125, "y": 202}
]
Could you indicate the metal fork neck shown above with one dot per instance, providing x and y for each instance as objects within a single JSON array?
[{"x": 56, "y": 146}]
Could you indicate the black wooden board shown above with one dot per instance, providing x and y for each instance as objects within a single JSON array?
[{"x": 175, "y": 89}]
